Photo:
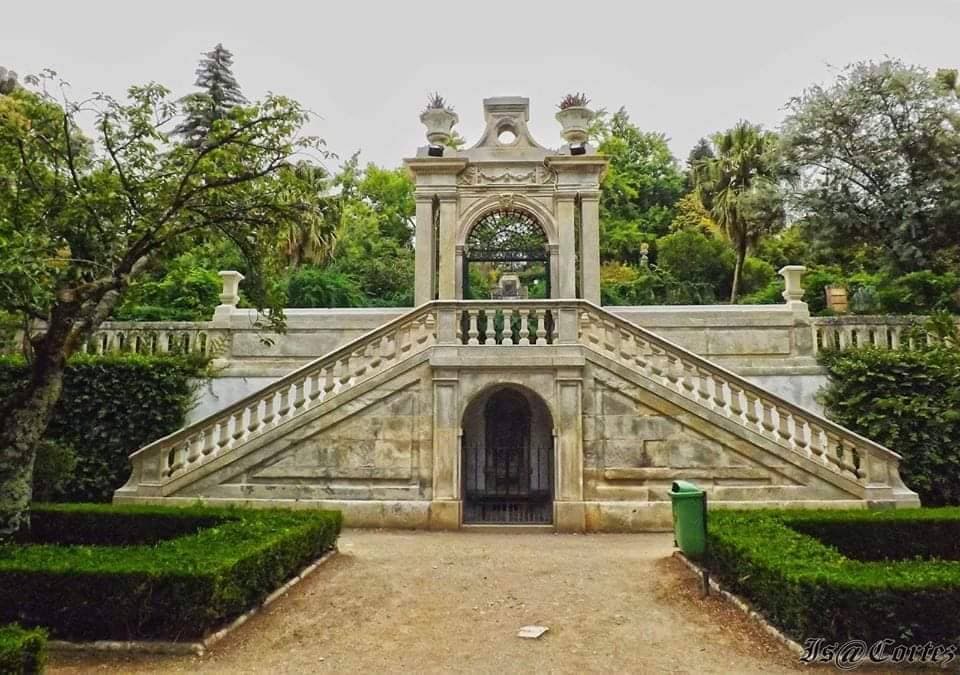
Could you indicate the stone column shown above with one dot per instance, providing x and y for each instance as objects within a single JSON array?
[
  {"x": 568, "y": 506},
  {"x": 590, "y": 246},
  {"x": 458, "y": 270},
  {"x": 445, "y": 508},
  {"x": 567, "y": 268},
  {"x": 447, "y": 286},
  {"x": 426, "y": 262}
]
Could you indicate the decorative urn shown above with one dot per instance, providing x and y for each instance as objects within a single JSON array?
[
  {"x": 439, "y": 123},
  {"x": 575, "y": 121}
]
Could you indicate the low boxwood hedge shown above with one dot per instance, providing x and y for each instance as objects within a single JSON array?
[
  {"x": 22, "y": 651},
  {"x": 176, "y": 588},
  {"x": 810, "y": 589}
]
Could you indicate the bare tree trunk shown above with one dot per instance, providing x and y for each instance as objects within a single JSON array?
[{"x": 737, "y": 274}]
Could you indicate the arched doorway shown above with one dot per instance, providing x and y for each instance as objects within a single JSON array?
[
  {"x": 506, "y": 256},
  {"x": 507, "y": 458}
]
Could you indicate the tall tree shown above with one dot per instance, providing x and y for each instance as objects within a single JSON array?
[
  {"x": 739, "y": 188},
  {"x": 219, "y": 94},
  {"x": 878, "y": 154},
  {"x": 80, "y": 218},
  {"x": 312, "y": 238},
  {"x": 640, "y": 188}
]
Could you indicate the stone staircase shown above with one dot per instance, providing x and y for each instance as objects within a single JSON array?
[{"x": 516, "y": 335}]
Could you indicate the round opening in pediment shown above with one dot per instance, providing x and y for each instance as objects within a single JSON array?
[{"x": 506, "y": 134}]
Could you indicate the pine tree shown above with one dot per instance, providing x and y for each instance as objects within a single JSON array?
[{"x": 220, "y": 93}]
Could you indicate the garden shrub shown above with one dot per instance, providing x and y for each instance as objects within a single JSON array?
[
  {"x": 187, "y": 292},
  {"x": 53, "y": 469},
  {"x": 320, "y": 287},
  {"x": 757, "y": 274},
  {"x": 809, "y": 589},
  {"x": 771, "y": 294},
  {"x": 907, "y": 400},
  {"x": 112, "y": 405},
  {"x": 691, "y": 257},
  {"x": 22, "y": 651},
  {"x": 921, "y": 292},
  {"x": 178, "y": 588}
]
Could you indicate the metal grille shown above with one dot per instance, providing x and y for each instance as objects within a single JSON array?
[{"x": 508, "y": 485}]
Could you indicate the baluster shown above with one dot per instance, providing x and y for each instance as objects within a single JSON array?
[
  {"x": 344, "y": 365},
  {"x": 542, "y": 326},
  {"x": 298, "y": 395},
  {"x": 359, "y": 361},
  {"x": 284, "y": 404},
  {"x": 611, "y": 337},
  {"x": 767, "y": 420},
  {"x": 736, "y": 410},
  {"x": 403, "y": 338},
  {"x": 315, "y": 387},
  {"x": 329, "y": 378},
  {"x": 703, "y": 383},
  {"x": 473, "y": 332},
  {"x": 816, "y": 443},
  {"x": 800, "y": 429},
  {"x": 751, "y": 411},
  {"x": 587, "y": 327},
  {"x": 688, "y": 373},
  {"x": 783, "y": 425},
  {"x": 179, "y": 458},
  {"x": 524, "y": 326},
  {"x": 655, "y": 356},
  {"x": 374, "y": 352},
  {"x": 627, "y": 346},
  {"x": 253, "y": 419},
  {"x": 490, "y": 327},
  {"x": 268, "y": 415},
  {"x": 239, "y": 430},
  {"x": 671, "y": 369},
  {"x": 639, "y": 355},
  {"x": 834, "y": 450},
  {"x": 223, "y": 435},
  {"x": 719, "y": 399},
  {"x": 194, "y": 446},
  {"x": 208, "y": 442}
]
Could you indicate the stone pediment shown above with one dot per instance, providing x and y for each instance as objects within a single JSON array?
[{"x": 506, "y": 136}]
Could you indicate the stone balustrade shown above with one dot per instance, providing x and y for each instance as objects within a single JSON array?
[
  {"x": 737, "y": 399},
  {"x": 886, "y": 332},
  {"x": 157, "y": 337},
  {"x": 293, "y": 395}
]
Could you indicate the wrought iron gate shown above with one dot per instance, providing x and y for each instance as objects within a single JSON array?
[{"x": 508, "y": 485}]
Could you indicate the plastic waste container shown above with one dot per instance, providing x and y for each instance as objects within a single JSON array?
[{"x": 689, "y": 518}]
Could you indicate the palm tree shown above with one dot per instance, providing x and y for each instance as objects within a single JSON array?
[
  {"x": 738, "y": 186},
  {"x": 311, "y": 239}
]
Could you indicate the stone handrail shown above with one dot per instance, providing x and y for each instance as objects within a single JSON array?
[
  {"x": 320, "y": 380},
  {"x": 737, "y": 399},
  {"x": 890, "y": 332},
  {"x": 156, "y": 337},
  {"x": 691, "y": 376}
]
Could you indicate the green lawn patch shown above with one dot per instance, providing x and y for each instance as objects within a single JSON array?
[
  {"x": 842, "y": 575},
  {"x": 22, "y": 652},
  {"x": 144, "y": 572}
]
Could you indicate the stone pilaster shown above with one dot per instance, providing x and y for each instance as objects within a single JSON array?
[
  {"x": 567, "y": 255},
  {"x": 425, "y": 268},
  {"x": 447, "y": 285},
  {"x": 590, "y": 246}
]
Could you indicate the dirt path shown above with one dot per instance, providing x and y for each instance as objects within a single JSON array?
[{"x": 452, "y": 602}]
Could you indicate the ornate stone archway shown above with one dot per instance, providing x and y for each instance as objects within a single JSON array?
[
  {"x": 455, "y": 188},
  {"x": 508, "y": 236}
]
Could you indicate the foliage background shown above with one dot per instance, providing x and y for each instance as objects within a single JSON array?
[{"x": 111, "y": 406}]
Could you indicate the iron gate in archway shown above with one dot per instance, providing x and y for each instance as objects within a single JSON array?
[
  {"x": 507, "y": 236},
  {"x": 508, "y": 479}
]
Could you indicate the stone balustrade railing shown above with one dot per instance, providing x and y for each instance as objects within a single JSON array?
[
  {"x": 522, "y": 323},
  {"x": 886, "y": 332},
  {"x": 315, "y": 383},
  {"x": 737, "y": 399},
  {"x": 156, "y": 337}
]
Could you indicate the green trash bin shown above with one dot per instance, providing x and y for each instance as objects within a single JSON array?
[{"x": 689, "y": 518}]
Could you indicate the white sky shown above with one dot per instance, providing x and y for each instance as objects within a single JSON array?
[{"x": 684, "y": 68}]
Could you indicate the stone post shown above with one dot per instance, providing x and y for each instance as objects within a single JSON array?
[
  {"x": 568, "y": 505},
  {"x": 590, "y": 246},
  {"x": 554, "y": 250},
  {"x": 426, "y": 260},
  {"x": 567, "y": 268},
  {"x": 445, "y": 507},
  {"x": 228, "y": 297},
  {"x": 447, "y": 286}
]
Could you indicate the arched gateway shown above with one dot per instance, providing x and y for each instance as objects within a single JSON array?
[{"x": 507, "y": 457}]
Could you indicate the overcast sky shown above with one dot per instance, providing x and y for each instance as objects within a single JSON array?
[{"x": 684, "y": 68}]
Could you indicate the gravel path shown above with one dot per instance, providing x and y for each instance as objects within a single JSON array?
[{"x": 424, "y": 602}]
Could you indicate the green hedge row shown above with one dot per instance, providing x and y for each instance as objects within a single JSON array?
[
  {"x": 22, "y": 652},
  {"x": 907, "y": 400},
  {"x": 810, "y": 589},
  {"x": 111, "y": 405},
  {"x": 179, "y": 588}
]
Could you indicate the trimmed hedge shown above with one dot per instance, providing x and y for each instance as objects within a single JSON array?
[
  {"x": 112, "y": 405},
  {"x": 22, "y": 652},
  {"x": 179, "y": 588},
  {"x": 908, "y": 400},
  {"x": 809, "y": 589}
]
